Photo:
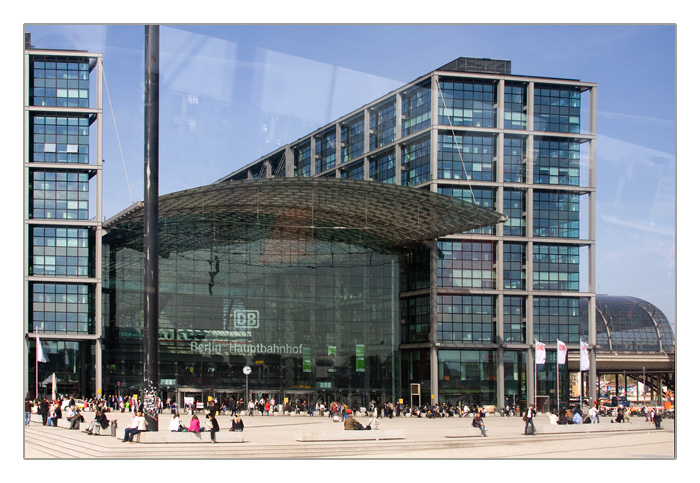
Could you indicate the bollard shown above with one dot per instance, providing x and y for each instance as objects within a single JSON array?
[{"x": 113, "y": 428}]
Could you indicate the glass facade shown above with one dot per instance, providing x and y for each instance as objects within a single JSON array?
[
  {"x": 71, "y": 361},
  {"x": 304, "y": 314},
  {"x": 503, "y": 144},
  {"x": 325, "y": 151},
  {"x": 353, "y": 139},
  {"x": 382, "y": 125},
  {"x": 466, "y": 318},
  {"x": 557, "y": 318},
  {"x": 514, "y": 149},
  {"x": 59, "y": 82},
  {"x": 302, "y": 158},
  {"x": 556, "y": 214},
  {"x": 557, "y": 162},
  {"x": 557, "y": 108},
  {"x": 556, "y": 267},
  {"x": 323, "y": 317},
  {"x": 466, "y": 102},
  {"x": 383, "y": 167},
  {"x": 60, "y": 139},
  {"x": 62, "y": 308},
  {"x": 467, "y": 376},
  {"x": 415, "y": 159},
  {"x": 61, "y": 226},
  {"x": 415, "y": 109},
  {"x": 59, "y": 195},
  {"x": 466, "y": 156},
  {"x": 466, "y": 265},
  {"x": 515, "y": 98}
]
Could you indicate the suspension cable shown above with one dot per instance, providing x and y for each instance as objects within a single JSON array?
[
  {"x": 109, "y": 99},
  {"x": 454, "y": 137}
]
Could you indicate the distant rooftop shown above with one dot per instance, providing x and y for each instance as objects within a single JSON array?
[{"x": 478, "y": 66}]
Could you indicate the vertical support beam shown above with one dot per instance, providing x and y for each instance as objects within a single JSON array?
[
  {"x": 338, "y": 147},
  {"x": 366, "y": 141},
  {"x": 98, "y": 232},
  {"x": 397, "y": 147},
  {"x": 530, "y": 365},
  {"x": 435, "y": 397},
  {"x": 434, "y": 123},
  {"x": 289, "y": 163},
  {"x": 592, "y": 325},
  {"x": 312, "y": 155},
  {"x": 26, "y": 226},
  {"x": 150, "y": 245}
]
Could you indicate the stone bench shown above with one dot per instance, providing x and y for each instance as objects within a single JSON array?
[
  {"x": 350, "y": 435},
  {"x": 184, "y": 437},
  {"x": 64, "y": 423},
  {"x": 465, "y": 432},
  {"x": 591, "y": 428}
]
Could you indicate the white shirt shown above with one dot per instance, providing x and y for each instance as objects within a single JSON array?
[
  {"x": 174, "y": 424},
  {"x": 141, "y": 423}
]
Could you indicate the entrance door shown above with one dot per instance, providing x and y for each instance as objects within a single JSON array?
[
  {"x": 190, "y": 398},
  {"x": 233, "y": 397},
  {"x": 299, "y": 401}
]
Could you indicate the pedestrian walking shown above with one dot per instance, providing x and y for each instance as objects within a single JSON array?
[
  {"x": 527, "y": 417},
  {"x": 27, "y": 411}
]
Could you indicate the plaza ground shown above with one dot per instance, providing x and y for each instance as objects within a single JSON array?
[{"x": 273, "y": 437}]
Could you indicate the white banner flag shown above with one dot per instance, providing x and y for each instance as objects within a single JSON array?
[
  {"x": 585, "y": 362},
  {"x": 561, "y": 352},
  {"x": 39, "y": 351},
  {"x": 539, "y": 353}
]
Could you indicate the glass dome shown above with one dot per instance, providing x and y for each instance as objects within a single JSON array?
[{"x": 629, "y": 324}]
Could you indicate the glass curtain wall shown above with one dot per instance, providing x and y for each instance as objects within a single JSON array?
[
  {"x": 60, "y": 294},
  {"x": 468, "y": 280},
  {"x": 307, "y": 315}
]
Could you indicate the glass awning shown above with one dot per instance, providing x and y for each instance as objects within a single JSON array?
[{"x": 364, "y": 212}]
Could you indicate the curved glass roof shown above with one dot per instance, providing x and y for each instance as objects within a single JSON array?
[
  {"x": 630, "y": 324},
  {"x": 379, "y": 215}
]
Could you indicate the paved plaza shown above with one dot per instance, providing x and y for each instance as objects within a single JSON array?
[{"x": 274, "y": 437}]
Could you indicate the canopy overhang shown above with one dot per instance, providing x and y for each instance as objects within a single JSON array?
[{"x": 366, "y": 212}]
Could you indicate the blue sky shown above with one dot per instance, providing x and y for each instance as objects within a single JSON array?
[{"x": 231, "y": 94}]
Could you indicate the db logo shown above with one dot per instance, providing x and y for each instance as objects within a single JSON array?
[{"x": 246, "y": 319}]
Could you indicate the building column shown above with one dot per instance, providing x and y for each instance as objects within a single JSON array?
[
  {"x": 366, "y": 149},
  {"x": 434, "y": 372},
  {"x": 288, "y": 163}
]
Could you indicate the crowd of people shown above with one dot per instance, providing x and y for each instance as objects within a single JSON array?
[
  {"x": 53, "y": 410},
  {"x": 591, "y": 414}
]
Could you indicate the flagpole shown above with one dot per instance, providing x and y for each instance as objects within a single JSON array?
[
  {"x": 37, "y": 348},
  {"x": 557, "y": 377}
]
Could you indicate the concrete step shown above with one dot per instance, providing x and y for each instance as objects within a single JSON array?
[{"x": 64, "y": 443}]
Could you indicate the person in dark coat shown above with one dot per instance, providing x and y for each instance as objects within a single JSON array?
[
  {"x": 44, "y": 410},
  {"x": 214, "y": 426},
  {"x": 57, "y": 414}
]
